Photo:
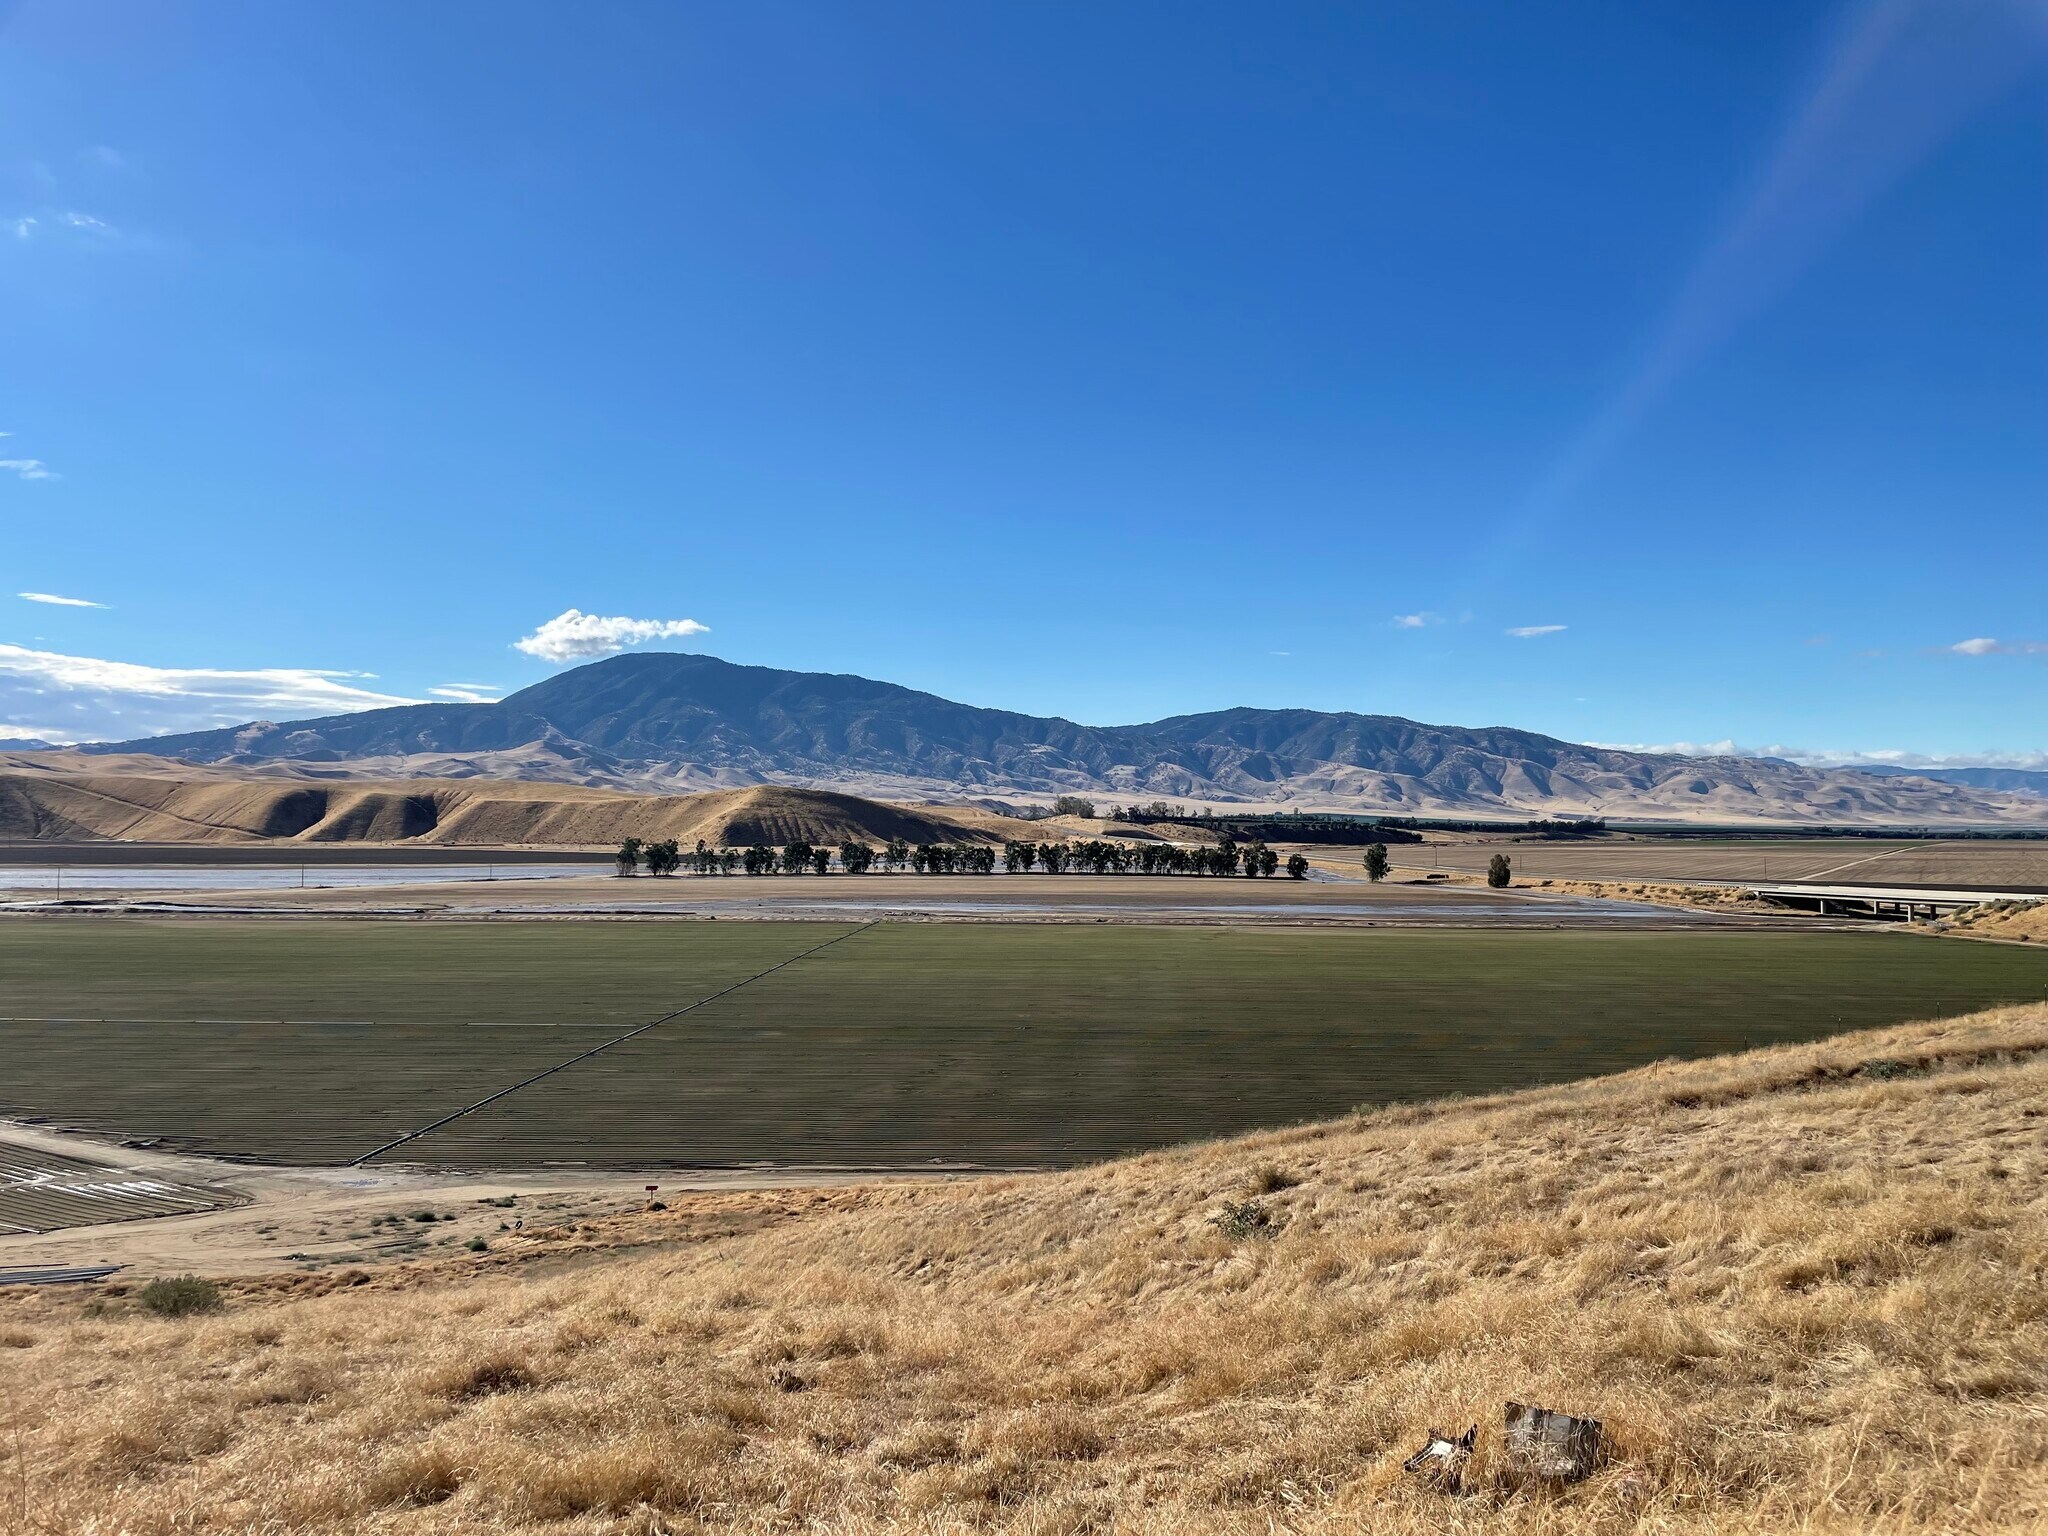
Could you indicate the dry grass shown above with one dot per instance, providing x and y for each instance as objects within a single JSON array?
[
  {"x": 1802, "y": 1287},
  {"x": 2024, "y": 922}
]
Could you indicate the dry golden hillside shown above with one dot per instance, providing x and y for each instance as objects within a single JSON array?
[
  {"x": 198, "y": 806},
  {"x": 1802, "y": 1287},
  {"x": 2024, "y": 922}
]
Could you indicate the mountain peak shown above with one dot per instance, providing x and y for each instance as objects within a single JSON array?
[{"x": 684, "y": 719}]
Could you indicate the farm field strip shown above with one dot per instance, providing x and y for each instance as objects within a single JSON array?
[
  {"x": 315, "y": 1094},
  {"x": 1000, "y": 1044},
  {"x": 1963, "y": 863},
  {"x": 1029, "y": 1045},
  {"x": 595, "y": 1050},
  {"x": 41, "y": 1191}
]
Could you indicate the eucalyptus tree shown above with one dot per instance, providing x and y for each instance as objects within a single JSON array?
[
  {"x": 1019, "y": 857},
  {"x": 796, "y": 857},
  {"x": 1376, "y": 863},
  {"x": 821, "y": 861},
  {"x": 1297, "y": 867},
  {"x": 628, "y": 857}
]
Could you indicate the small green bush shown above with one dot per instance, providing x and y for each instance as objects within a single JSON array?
[
  {"x": 1241, "y": 1219},
  {"x": 476, "y": 1245},
  {"x": 180, "y": 1296}
]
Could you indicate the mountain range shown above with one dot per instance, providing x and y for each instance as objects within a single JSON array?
[{"x": 668, "y": 721}]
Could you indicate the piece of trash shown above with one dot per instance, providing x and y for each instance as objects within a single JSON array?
[
  {"x": 1559, "y": 1447},
  {"x": 1441, "y": 1463}
]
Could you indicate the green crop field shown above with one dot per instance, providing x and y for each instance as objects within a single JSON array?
[{"x": 315, "y": 1041}]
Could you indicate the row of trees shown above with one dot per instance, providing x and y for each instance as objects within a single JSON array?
[{"x": 1094, "y": 857}]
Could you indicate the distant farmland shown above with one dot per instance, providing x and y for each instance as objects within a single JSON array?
[
  {"x": 2014, "y": 863},
  {"x": 315, "y": 1041}
]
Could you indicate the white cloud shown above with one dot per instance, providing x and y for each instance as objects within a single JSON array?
[
  {"x": 467, "y": 693},
  {"x": 1535, "y": 631},
  {"x": 572, "y": 635},
  {"x": 84, "y": 698},
  {"x": 1415, "y": 620},
  {"x": 61, "y": 602},
  {"x": 30, "y": 469},
  {"x": 105, "y": 156},
  {"x": 52, "y": 222},
  {"x": 1984, "y": 645}
]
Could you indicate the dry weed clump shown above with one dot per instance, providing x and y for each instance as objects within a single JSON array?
[{"x": 1800, "y": 1287}]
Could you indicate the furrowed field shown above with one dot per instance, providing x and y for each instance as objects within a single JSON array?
[{"x": 313, "y": 1041}]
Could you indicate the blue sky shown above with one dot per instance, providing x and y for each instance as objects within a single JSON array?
[{"x": 1637, "y": 373}]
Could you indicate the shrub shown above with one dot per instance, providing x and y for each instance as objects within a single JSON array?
[
  {"x": 476, "y": 1245},
  {"x": 1271, "y": 1178},
  {"x": 180, "y": 1296},
  {"x": 1240, "y": 1219}
]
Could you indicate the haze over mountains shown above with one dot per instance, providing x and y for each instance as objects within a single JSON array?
[{"x": 664, "y": 721}]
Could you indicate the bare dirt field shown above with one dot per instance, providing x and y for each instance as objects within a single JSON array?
[{"x": 263, "y": 1219}]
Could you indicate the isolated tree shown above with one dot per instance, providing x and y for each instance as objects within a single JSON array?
[
  {"x": 1297, "y": 867},
  {"x": 1376, "y": 863},
  {"x": 628, "y": 856},
  {"x": 821, "y": 861},
  {"x": 1498, "y": 871},
  {"x": 1019, "y": 857}
]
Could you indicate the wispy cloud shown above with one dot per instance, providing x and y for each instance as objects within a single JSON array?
[
  {"x": 1984, "y": 645},
  {"x": 61, "y": 602},
  {"x": 30, "y": 469},
  {"x": 1723, "y": 748},
  {"x": 87, "y": 698},
  {"x": 105, "y": 156},
  {"x": 467, "y": 693},
  {"x": 82, "y": 226},
  {"x": 1416, "y": 620},
  {"x": 1535, "y": 631},
  {"x": 573, "y": 635}
]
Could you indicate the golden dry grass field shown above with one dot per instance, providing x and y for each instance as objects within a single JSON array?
[{"x": 1802, "y": 1287}]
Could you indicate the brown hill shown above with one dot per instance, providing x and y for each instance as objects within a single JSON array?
[
  {"x": 180, "y": 804},
  {"x": 1799, "y": 1286}
]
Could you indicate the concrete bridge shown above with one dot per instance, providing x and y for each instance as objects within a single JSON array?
[{"x": 1901, "y": 901}]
